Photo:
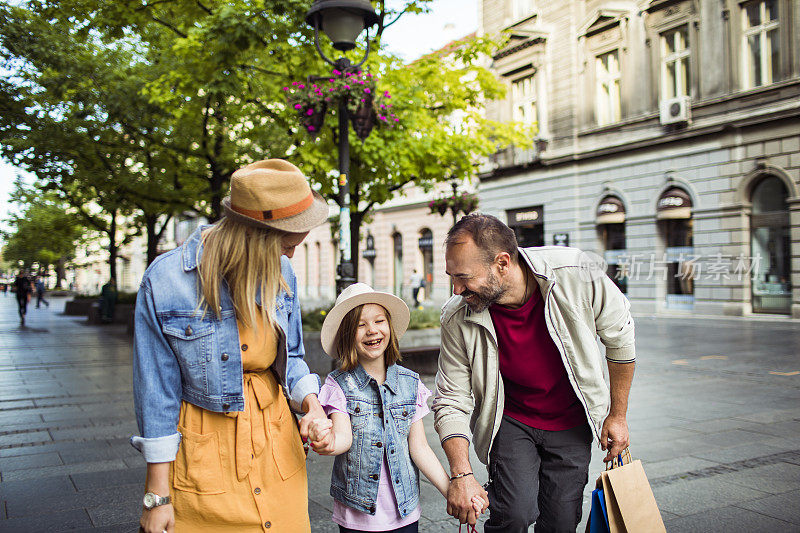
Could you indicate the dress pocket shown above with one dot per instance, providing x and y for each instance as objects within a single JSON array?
[
  {"x": 287, "y": 448},
  {"x": 198, "y": 466}
]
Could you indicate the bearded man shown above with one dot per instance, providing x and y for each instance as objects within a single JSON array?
[{"x": 521, "y": 375}]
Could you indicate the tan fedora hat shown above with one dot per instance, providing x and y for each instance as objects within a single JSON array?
[
  {"x": 274, "y": 193},
  {"x": 353, "y": 296}
]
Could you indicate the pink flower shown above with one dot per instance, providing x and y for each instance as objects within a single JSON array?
[
  {"x": 285, "y": 88},
  {"x": 295, "y": 83},
  {"x": 311, "y": 128},
  {"x": 331, "y": 89},
  {"x": 396, "y": 119},
  {"x": 336, "y": 72},
  {"x": 367, "y": 91},
  {"x": 347, "y": 87},
  {"x": 298, "y": 106},
  {"x": 302, "y": 86},
  {"x": 310, "y": 112}
]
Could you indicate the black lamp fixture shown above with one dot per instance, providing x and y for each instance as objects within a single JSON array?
[{"x": 342, "y": 21}]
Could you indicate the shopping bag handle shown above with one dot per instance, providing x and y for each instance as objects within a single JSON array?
[{"x": 621, "y": 459}]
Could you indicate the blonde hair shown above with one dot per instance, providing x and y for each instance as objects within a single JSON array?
[
  {"x": 248, "y": 259},
  {"x": 346, "y": 341}
]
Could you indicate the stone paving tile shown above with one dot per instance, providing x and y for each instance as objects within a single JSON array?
[
  {"x": 17, "y": 439},
  {"x": 706, "y": 494},
  {"x": 772, "y": 479},
  {"x": 780, "y": 506},
  {"x": 741, "y": 452},
  {"x": 720, "y": 424},
  {"x": 15, "y": 404},
  {"x": 129, "y": 527},
  {"x": 95, "y": 432},
  {"x": 108, "y": 478},
  {"x": 35, "y": 473},
  {"x": 786, "y": 428},
  {"x": 770, "y": 416},
  {"x": 9, "y": 464},
  {"x": 121, "y": 496},
  {"x": 49, "y": 447},
  {"x": 18, "y": 417},
  {"x": 674, "y": 466},
  {"x": 48, "y": 522},
  {"x": 36, "y": 488},
  {"x": 728, "y": 519}
]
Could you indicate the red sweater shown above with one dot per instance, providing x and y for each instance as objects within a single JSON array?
[{"x": 537, "y": 390}]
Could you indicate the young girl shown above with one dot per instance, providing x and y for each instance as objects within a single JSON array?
[{"x": 375, "y": 410}]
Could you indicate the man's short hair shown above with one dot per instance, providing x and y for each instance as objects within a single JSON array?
[{"x": 490, "y": 235}]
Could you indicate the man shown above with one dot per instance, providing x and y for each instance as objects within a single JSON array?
[
  {"x": 520, "y": 371},
  {"x": 22, "y": 284},
  {"x": 40, "y": 292},
  {"x": 416, "y": 284}
]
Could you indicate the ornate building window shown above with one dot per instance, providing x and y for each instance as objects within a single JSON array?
[
  {"x": 523, "y": 95},
  {"x": 675, "y": 71},
  {"x": 760, "y": 43},
  {"x": 608, "y": 77}
]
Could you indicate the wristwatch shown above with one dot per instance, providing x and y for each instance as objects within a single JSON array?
[{"x": 152, "y": 500}]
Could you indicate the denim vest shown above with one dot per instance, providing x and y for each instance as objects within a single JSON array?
[{"x": 381, "y": 418}]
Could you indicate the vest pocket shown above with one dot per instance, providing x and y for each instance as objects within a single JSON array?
[
  {"x": 287, "y": 448},
  {"x": 402, "y": 416},
  {"x": 198, "y": 467}
]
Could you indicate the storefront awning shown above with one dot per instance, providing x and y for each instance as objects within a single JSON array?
[
  {"x": 611, "y": 211},
  {"x": 675, "y": 203}
]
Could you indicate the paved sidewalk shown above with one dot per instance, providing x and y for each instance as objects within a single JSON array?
[{"x": 715, "y": 417}]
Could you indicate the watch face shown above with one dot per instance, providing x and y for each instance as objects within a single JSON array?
[{"x": 149, "y": 500}]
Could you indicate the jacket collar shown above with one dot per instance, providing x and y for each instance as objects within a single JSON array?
[
  {"x": 363, "y": 379},
  {"x": 193, "y": 248}
]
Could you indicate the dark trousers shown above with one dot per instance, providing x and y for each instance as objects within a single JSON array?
[
  {"x": 410, "y": 528},
  {"x": 537, "y": 476},
  {"x": 40, "y": 299},
  {"x": 23, "y": 306}
]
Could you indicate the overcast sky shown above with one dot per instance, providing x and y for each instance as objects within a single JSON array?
[{"x": 411, "y": 37}]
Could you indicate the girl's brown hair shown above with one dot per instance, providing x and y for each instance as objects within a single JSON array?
[{"x": 346, "y": 340}]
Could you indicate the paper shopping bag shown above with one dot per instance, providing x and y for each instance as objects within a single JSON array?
[{"x": 630, "y": 503}]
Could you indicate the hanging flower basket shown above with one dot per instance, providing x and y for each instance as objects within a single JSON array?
[
  {"x": 356, "y": 89},
  {"x": 461, "y": 202},
  {"x": 363, "y": 118}
]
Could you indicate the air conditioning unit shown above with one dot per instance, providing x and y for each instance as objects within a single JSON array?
[{"x": 676, "y": 110}]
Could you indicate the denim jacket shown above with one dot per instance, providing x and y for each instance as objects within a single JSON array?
[
  {"x": 381, "y": 418},
  {"x": 180, "y": 353}
]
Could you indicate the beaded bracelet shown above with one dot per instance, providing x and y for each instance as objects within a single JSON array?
[{"x": 462, "y": 474}]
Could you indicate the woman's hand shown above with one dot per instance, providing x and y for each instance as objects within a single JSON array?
[
  {"x": 314, "y": 411},
  {"x": 322, "y": 436},
  {"x": 158, "y": 519}
]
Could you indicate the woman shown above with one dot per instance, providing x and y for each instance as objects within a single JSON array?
[{"x": 218, "y": 336}]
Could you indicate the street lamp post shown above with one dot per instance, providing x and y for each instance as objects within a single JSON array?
[{"x": 342, "y": 21}]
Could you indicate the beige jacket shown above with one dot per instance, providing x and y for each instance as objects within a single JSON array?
[{"x": 579, "y": 306}]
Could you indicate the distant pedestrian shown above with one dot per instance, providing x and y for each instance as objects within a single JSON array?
[
  {"x": 24, "y": 288},
  {"x": 39, "y": 284},
  {"x": 417, "y": 282},
  {"x": 218, "y": 349},
  {"x": 108, "y": 301},
  {"x": 4, "y": 287}
]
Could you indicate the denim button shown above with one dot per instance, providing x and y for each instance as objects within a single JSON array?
[
  {"x": 379, "y": 444},
  {"x": 267, "y": 525},
  {"x": 244, "y": 347},
  {"x": 188, "y": 331},
  {"x": 257, "y": 490},
  {"x": 224, "y": 357},
  {"x": 375, "y": 477},
  {"x": 226, "y": 406}
]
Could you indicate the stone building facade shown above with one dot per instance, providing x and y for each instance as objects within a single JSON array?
[{"x": 668, "y": 143}]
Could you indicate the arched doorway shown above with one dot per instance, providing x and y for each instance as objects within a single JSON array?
[
  {"x": 426, "y": 251},
  {"x": 397, "y": 264},
  {"x": 610, "y": 222},
  {"x": 674, "y": 214},
  {"x": 770, "y": 247}
]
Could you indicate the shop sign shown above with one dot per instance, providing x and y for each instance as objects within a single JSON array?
[
  {"x": 526, "y": 216},
  {"x": 561, "y": 239}
]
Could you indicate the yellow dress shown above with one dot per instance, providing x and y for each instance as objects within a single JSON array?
[{"x": 246, "y": 471}]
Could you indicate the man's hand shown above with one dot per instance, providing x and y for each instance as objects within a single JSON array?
[
  {"x": 314, "y": 411},
  {"x": 158, "y": 519},
  {"x": 614, "y": 437},
  {"x": 460, "y": 496}
]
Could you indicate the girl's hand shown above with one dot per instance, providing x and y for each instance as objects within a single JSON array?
[
  {"x": 319, "y": 428},
  {"x": 158, "y": 519},
  {"x": 479, "y": 504}
]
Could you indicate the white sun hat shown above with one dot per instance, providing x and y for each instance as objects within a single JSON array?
[{"x": 353, "y": 296}]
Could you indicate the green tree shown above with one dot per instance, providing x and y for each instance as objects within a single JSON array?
[{"x": 46, "y": 231}]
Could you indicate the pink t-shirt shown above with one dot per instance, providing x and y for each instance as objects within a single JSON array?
[{"x": 386, "y": 516}]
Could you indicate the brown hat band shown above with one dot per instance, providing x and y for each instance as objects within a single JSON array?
[{"x": 277, "y": 214}]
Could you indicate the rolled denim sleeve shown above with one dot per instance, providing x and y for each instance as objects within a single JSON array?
[
  {"x": 299, "y": 379},
  {"x": 156, "y": 384}
]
